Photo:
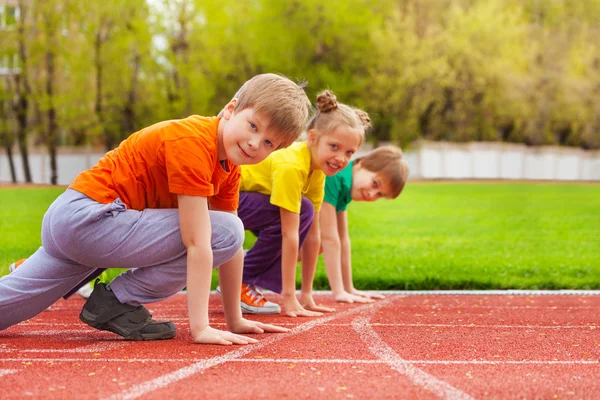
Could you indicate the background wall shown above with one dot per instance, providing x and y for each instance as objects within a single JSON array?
[{"x": 428, "y": 160}]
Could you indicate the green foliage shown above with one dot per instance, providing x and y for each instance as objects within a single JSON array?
[
  {"x": 461, "y": 70},
  {"x": 434, "y": 236}
]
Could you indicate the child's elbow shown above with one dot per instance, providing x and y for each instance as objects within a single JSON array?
[{"x": 330, "y": 242}]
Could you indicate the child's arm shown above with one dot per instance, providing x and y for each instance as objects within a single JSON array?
[
  {"x": 310, "y": 254},
  {"x": 342, "y": 225},
  {"x": 333, "y": 252},
  {"x": 290, "y": 224},
  {"x": 230, "y": 280},
  {"x": 194, "y": 221}
]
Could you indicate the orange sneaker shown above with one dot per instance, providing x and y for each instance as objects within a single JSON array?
[
  {"x": 16, "y": 265},
  {"x": 252, "y": 301}
]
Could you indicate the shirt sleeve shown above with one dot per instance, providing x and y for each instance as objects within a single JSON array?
[
  {"x": 189, "y": 165},
  {"x": 228, "y": 197},
  {"x": 286, "y": 192}
]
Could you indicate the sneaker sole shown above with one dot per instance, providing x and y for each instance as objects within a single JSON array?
[
  {"x": 90, "y": 319},
  {"x": 259, "y": 310}
]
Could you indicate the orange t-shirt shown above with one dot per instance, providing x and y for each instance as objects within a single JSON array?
[{"x": 151, "y": 167}]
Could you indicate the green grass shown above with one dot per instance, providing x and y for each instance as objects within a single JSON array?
[{"x": 435, "y": 236}]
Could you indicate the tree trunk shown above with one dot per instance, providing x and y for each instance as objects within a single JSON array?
[
  {"x": 21, "y": 111},
  {"x": 7, "y": 143},
  {"x": 99, "y": 106},
  {"x": 52, "y": 128},
  {"x": 129, "y": 109},
  {"x": 21, "y": 106}
]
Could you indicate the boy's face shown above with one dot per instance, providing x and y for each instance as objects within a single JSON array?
[
  {"x": 367, "y": 185},
  {"x": 246, "y": 138},
  {"x": 331, "y": 152}
]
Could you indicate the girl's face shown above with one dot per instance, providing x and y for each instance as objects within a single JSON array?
[
  {"x": 367, "y": 185},
  {"x": 331, "y": 152}
]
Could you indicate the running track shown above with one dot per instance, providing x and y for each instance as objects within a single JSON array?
[{"x": 452, "y": 346}]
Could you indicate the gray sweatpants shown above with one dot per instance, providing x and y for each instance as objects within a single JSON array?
[{"x": 80, "y": 235}]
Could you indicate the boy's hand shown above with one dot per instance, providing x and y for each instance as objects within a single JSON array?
[
  {"x": 210, "y": 335},
  {"x": 346, "y": 297},
  {"x": 308, "y": 303},
  {"x": 292, "y": 308},
  {"x": 367, "y": 295},
  {"x": 246, "y": 326}
]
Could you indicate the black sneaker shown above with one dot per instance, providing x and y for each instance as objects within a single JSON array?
[{"x": 105, "y": 312}]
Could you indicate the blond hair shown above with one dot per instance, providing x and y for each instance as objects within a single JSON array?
[
  {"x": 331, "y": 115},
  {"x": 277, "y": 97},
  {"x": 387, "y": 161}
]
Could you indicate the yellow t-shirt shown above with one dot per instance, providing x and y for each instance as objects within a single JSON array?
[{"x": 285, "y": 176}]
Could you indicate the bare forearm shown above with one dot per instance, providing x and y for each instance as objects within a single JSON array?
[
  {"x": 289, "y": 258},
  {"x": 199, "y": 271},
  {"x": 230, "y": 281},
  {"x": 346, "y": 262},
  {"x": 332, "y": 259},
  {"x": 310, "y": 254}
]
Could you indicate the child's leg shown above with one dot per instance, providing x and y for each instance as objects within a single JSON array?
[
  {"x": 35, "y": 285},
  {"x": 262, "y": 264},
  {"x": 78, "y": 231},
  {"x": 111, "y": 236},
  {"x": 149, "y": 283}
]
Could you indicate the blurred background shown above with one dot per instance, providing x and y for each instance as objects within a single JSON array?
[{"x": 469, "y": 88}]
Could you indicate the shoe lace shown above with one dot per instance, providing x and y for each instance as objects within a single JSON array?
[{"x": 254, "y": 294}]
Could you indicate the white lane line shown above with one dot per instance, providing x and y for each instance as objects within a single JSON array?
[
  {"x": 183, "y": 373},
  {"x": 510, "y": 292},
  {"x": 60, "y": 332},
  {"x": 422, "y": 362},
  {"x": 400, "y": 325},
  {"x": 93, "y": 348},
  {"x": 487, "y": 326},
  {"x": 301, "y": 361},
  {"x": 384, "y": 352},
  {"x": 4, "y": 372},
  {"x": 445, "y": 307}
]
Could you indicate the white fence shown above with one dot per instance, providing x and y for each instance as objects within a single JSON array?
[
  {"x": 503, "y": 161},
  {"x": 430, "y": 160}
]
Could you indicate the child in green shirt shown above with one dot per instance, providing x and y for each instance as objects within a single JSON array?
[{"x": 382, "y": 173}]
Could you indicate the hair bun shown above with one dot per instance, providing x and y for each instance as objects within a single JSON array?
[
  {"x": 326, "y": 101},
  {"x": 364, "y": 118}
]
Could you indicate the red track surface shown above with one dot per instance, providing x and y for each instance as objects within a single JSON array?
[{"x": 398, "y": 348}]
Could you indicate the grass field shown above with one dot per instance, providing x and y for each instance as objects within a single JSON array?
[{"x": 434, "y": 236}]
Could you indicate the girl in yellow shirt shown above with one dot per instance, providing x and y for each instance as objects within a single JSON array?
[{"x": 280, "y": 199}]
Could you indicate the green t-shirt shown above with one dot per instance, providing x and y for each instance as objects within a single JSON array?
[{"x": 337, "y": 188}]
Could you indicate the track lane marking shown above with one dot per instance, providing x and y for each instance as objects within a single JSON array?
[
  {"x": 151, "y": 385},
  {"x": 385, "y": 353},
  {"x": 93, "y": 348},
  {"x": 305, "y": 361},
  {"x": 400, "y": 325}
]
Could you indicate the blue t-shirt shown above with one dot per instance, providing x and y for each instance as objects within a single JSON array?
[{"x": 338, "y": 187}]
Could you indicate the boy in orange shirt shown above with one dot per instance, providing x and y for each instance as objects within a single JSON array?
[{"x": 162, "y": 204}]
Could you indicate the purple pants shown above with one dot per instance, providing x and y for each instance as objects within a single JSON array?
[{"x": 262, "y": 263}]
